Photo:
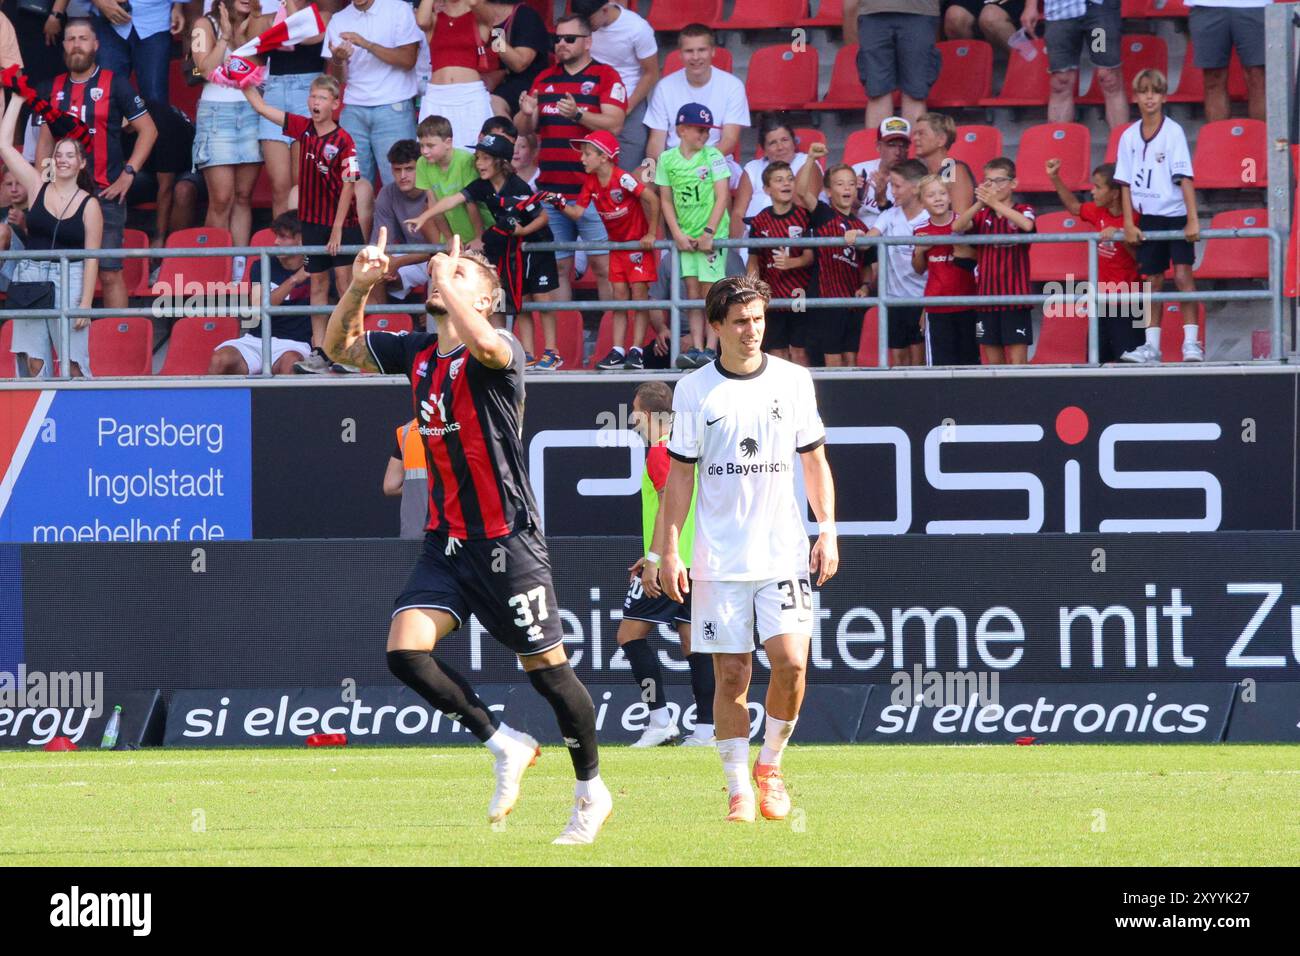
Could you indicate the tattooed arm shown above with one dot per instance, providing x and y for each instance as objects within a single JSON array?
[{"x": 345, "y": 338}]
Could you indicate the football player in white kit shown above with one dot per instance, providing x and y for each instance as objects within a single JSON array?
[{"x": 742, "y": 421}]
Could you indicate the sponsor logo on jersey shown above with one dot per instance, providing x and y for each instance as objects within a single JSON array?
[{"x": 749, "y": 447}]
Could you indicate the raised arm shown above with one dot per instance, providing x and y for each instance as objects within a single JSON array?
[
  {"x": 472, "y": 328},
  {"x": 345, "y": 335},
  {"x": 1068, "y": 199},
  {"x": 808, "y": 184},
  {"x": 13, "y": 159},
  {"x": 272, "y": 113}
]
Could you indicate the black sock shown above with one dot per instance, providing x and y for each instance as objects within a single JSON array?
[
  {"x": 575, "y": 714},
  {"x": 702, "y": 686},
  {"x": 444, "y": 689},
  {"x": 645, "y": 668}
]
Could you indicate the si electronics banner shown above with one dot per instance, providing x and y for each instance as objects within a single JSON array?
[{"x": 132, "y": 465}]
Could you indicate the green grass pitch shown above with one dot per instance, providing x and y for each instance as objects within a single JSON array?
[{"x": 873, "y": 805}]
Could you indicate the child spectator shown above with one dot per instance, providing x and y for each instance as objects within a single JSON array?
[
  {"x": 906, "y": 335},
  {"x": 949, "y": 329},
  {"x": 290, "y": 334},
  {"x": 1117, "y": 272},
  {"x": 519, "y": 214},
  {"x": 841, "y": 271},
  {"x": 630, "y": 213},
  {"x": 443, "y": 170},
  {"x": 1005, "y": 331},
  {"x": 1154, "y": 171},
  {"x": 693, "y": 180},
  {"x": 788, "y": 271},
  {"x": 525, "y": 160},
  {"x": 327, "y": 175}
]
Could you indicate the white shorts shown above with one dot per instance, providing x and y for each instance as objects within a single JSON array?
[
  {"x": 723, "y": 613},
  {"x": 250, "y": 347}
]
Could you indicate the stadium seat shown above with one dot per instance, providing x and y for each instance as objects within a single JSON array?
[
  {"x": 869, "y": 344},
  {"x": 176, "y": 271},
  {"x": 846, "y": 91},
  {"x": 830, "y": 13},
  {"x": 1191, "y": 81},
  {"x": 262, "y": 195},
  {"x": 722, "y": 60},
  {"x": 1026, "y": 82},
  {"x": 805, "y": 136},
  {"x": 1164, "y": 8},
  {"x": 1138, "y": 52},
  {"x": 976, "y": 145},
  {"x": 1063, "y": 339},
  {"x": 669, "y": 16},
  {"x": 1236, "y": 258},
  {"x": 1112, "y": 142},
  {"x": 1222, "y": 151},
  {"x": 861, "y": 146},
  {"x": 1171, "y": 330},
  {"x": 8, "y": 367},
  {"x": 135, "y": 272},
  {"x": 568, "y": 336},
  {"x": 1054, "y": 261},
  {"x": 966, "y": 77},
  {"x": 192, "y": 342},
  {"x": 388, "y": 322},
  {"x": 263, "y": 239},
  {"x": 121, "y": 346},
  {"x": 761, "y": 14},
  {"x": 605, "y": 337},
  {"x": 1071, "y": 143},
  {"x": 184, "y": 98},
  {"x": 778, "y": 76}
]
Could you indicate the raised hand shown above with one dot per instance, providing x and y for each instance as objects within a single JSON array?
[{"x": 371, "y": 264}]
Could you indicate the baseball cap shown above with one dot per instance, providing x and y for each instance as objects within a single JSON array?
[
  {"x": 602, "y": 139},
  {"x": 495, "y": 145},
  {"x": 895, "y": 127},
  {"x": 695, "y": 114}
]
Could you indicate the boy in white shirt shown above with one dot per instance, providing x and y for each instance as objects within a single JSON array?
[{"x": 906, "y": 336}]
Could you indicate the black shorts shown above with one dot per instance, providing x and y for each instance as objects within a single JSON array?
[
  {"x": 639, "y": 606},
  {"x": 784, "y": 329},
  {"x": 1004, "y": 327},
  {"x": 905, "y": 326},
  {"x": 541, "y": 274},
  {"x": 1012, "y": 8},
  {"x": 950, "y": 337},
  {"x": 1117, "y": 335},
  {"x": 314, "y": 234},
  {"x": 1153, "y": 258},
  {"x": 504, "y": 582},
  {"x": 836, "y": 331}
]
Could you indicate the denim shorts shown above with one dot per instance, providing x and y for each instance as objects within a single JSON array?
[
  {"x": 589, "y": 228},
  {"x": 374, "y": 130},
  {"x": 225, "y": 134},
  {"x": 288, "y": 93}
]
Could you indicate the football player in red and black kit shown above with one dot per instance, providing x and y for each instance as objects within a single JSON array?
[{"x": 467, "y": 387}]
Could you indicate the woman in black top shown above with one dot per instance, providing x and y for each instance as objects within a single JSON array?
[
  {"x": 64, "y": 214},
  {"x": 521, "y": 42}
]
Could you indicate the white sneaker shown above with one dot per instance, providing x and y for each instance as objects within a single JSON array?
[
  {"x": 1144, "y": 354},
  {"x": 1192, "y": 352},
  {"x": 587, "y": 819},
  {"x": 509, "y": 768},
  {"x": 654, "y": 736},
  {"x": 697, "y": 740}
]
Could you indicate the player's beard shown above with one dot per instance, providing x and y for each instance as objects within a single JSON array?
[{"x": 438, "y": 312}]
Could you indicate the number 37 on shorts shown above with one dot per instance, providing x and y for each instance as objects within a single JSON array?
[{"x": 724, "y": 614}]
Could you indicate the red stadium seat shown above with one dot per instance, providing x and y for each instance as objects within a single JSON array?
[
  {"x": 1138, "y": 52},
  {"x": 192, "y": 342},
  {"x": 568, "y": 336},
  {"x": 761, "y": 14},
  {"x": 184, "y": 98},
  {"x": 1026, "y": 82},
  {"x": 670, "y": 16},
  {"x": 135, "y": 272},
  {"x": 976, "y": 145},
  {"x": 1063, "y": 339},
  {"x": 1236, "y": 258},
  {"x": 1164, "y": 8},
  {"x": 388, "y": 322},
  {"x": 869, "y": 344},
  {"x": 778, "y": 77},
  {"x": 1055, "y": 261},
  {"x": 8, "y": 367},
  {"x": 804, "y": 136},
  {"x": 262, "y": 195},
  {"x": 1191, "y": 81},
  {"x": 263, "y": 239},
  {"x": 1112, "y": 142},
  {"x": 846, "y": 91},
  {"x": 721, "y": 60},
  {"x": 605, "y": 336},
  {"x": 830, "y": 13},
  {"x": 1071, "y": 143},
  {"x": 966, "y": 77},
  {"x": 1171, "y": 330},
  {"x": 121, "y": 346},
  {"x": 861, "y": 146},
  {"x": 175, "y": 272},
  {"x": 1231, "y": 154}
]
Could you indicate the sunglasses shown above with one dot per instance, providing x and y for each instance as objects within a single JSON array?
[{"x": 570, "y": 37}]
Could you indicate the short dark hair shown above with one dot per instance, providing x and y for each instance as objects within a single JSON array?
[
  {"x": 696, "y": 30},
  {"x": 287, "y": 224},
  {"x": 774, "y": 167},
  {"x": 1107, "y": 173},
  {"x": 913, "y": 170},
  {"x": 577, "y": 18},
  {"x": 773, "y": 122},
  {"x": 1004, "y": 163},
  {"x": 655, "y": 396},
  {"x": 587, "y": 8},
  {"x": 499, "y": 124},
  {"x": 403, "y": 151},
  {"x": 734, "y": 290}
]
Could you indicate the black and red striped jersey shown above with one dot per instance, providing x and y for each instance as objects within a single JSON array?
[
  {"x": 470, "y": 419},
  {"x": 839, "y": 268},
  {"x": 795, "y": 223},
  {"x": 102, "y": 101},
  {"x": 592, "y": 86},
  {"x": 1003, "y": 269},
  {"x": 323, "y": 162}
]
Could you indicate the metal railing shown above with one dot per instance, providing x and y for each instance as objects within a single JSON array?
[{"x": 675, "y": 304}]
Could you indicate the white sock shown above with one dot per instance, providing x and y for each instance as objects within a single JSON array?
[
  {"x": 1153, "y": 336},
  {"x": 619, "y": 350},
  {"x": 661, "y": 717},
  {"x": 1191, "y": 333},
  {"x": 735, "y": 765},
  {"x": 775, "y": 738},
  {"x": 501, "y": 741},
  {"x": 590, "y": 789},
  {"x": 704, "y": 730}
]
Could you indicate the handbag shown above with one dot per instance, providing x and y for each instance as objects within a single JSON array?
[{"x": 189, "y": 69}]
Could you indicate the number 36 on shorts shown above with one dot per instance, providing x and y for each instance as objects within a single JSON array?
[{"x": 725, "y": 614}]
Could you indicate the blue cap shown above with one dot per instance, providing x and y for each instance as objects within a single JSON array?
[{"x": 695, "y": 114}]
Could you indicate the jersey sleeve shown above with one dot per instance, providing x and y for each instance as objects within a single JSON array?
[
  {"x": 612, "y": 90},
  {"x": 394, "y": 352},
  {"x": 656, "y": 114},
  {"x": 632, "y": 184},
  {"x": 127, "y": 99},
  {"x": 736, "y": 109},
  {"x": 1028, "y": 212},
  {"x": 1124, "y": 161},
  {"x": 661, "y": 172},
  {"x": 718, "y": 168},
  {"x": 480, "y": 190},
  {"x": 657, "y": 464},
  {"x": 1180, "y": 160},
  {"x": 295, "y": 125},
  {"x": 809, "y": 433},
  {"x": 684, "y": 442}
]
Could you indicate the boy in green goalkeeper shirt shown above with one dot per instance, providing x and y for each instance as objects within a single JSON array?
[
  {"x": 647, "y": 606},
  {"x": 694, "y": 189}
]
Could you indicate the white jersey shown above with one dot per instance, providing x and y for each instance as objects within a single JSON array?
[
  {"x": 904, "y": 281},
  {"x": 1153, "y": 169},
  {"x": 869, "y": 212},
  {"x": 745, "y": 434}
]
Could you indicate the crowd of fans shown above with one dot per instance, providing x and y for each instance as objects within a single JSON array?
[{"x": 467, "y": 117}]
